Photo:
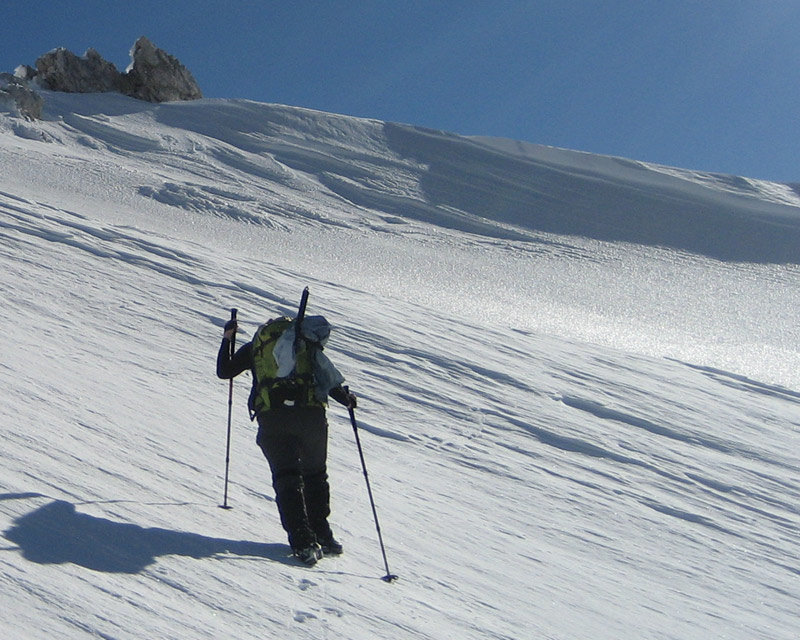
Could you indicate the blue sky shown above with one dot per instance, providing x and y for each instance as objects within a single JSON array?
[{"x": 700, "y": 84}]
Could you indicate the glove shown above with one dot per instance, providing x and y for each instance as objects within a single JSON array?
[
  {"x": 346, "y": 398},
  {"x": 230, "y": 328}
]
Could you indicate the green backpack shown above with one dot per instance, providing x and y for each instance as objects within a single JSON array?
[{"x": 272, "y": 390}]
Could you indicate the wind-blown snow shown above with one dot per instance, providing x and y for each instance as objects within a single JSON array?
[{"x": 578, "y": 381}]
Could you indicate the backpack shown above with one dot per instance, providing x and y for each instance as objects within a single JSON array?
[{"x": 276, "y": 382}]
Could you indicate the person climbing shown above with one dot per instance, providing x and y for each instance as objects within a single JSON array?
[{"x": 292, "y": 379}]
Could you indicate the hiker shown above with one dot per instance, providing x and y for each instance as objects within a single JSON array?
[{"x": 292, "y": 379}]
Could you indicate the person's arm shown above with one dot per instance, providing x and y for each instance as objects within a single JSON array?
[
  {"x": 227, "y": 366},
  {"x": 341, "y": 396}
]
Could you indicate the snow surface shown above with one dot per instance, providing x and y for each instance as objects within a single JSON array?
[{"x": 579, "y": 381}]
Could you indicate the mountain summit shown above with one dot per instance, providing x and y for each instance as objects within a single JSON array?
[{"x": 153, "y": 75}]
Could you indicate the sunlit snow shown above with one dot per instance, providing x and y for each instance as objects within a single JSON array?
[{"x": 579, "y": 381}]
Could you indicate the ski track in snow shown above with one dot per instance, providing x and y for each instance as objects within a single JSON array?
[{"x": 556, "y": 443}]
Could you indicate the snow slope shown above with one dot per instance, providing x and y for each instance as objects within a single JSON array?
[{"x": 580, "y": 398}]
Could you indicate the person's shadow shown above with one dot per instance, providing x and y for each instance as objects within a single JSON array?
[{"x": 56, "y": 534}]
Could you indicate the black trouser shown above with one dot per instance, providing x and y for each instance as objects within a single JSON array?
[{"x": 295, "y": 442}]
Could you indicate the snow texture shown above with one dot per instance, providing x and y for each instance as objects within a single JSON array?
[{"x": 578, "y": 380}]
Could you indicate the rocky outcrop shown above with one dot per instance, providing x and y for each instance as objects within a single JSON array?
[
  {"x": 153, "y": 75},
  {"x": 156, "y": 76},
  {"x": 62, "y": 70}
]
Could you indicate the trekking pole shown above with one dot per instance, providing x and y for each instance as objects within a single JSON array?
[
  {"x": 389, "y": 577},
  {"x": 224, "y": 504}
]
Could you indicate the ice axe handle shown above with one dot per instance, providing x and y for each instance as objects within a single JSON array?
[{"x": 234, "y": 312}]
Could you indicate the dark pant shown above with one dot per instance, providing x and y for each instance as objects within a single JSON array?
[{"x": 295, "y": 442}]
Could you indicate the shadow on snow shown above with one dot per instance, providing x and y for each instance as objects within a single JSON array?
[{"x": 57, "y": 534}]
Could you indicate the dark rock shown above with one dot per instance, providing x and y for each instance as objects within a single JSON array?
[
  {"x": 62, "y": 70},
  {"x": 153, "y": 75},
  {"x": 156, "y": 76}
]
